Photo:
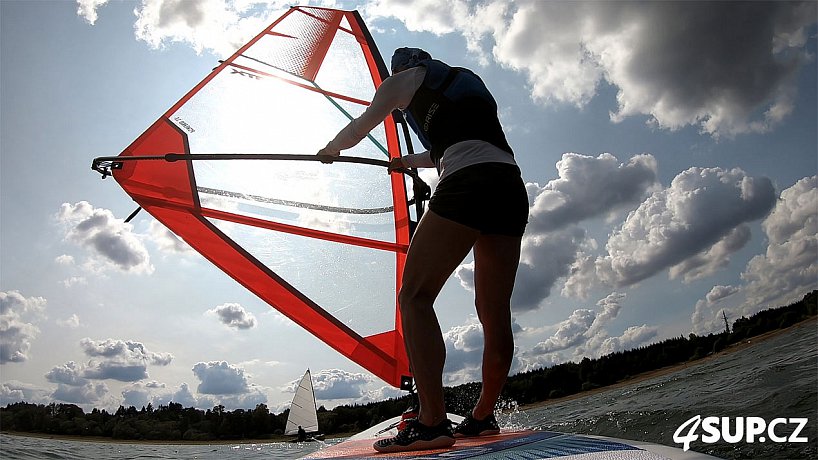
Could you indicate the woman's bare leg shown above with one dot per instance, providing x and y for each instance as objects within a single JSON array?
[
  {"x": 495, "y": 266},
  {"x": 437, "y": 248}
]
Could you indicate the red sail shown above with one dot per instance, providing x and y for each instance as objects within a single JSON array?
[{"x": 324, "y": 244}]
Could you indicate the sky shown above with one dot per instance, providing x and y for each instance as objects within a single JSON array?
[{"x": 669, "y": 149}]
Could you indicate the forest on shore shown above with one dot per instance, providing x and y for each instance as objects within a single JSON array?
[{"x": 176, "y": 423}]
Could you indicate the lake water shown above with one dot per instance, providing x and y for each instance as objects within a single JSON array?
[{"x": 774, "y": 379}]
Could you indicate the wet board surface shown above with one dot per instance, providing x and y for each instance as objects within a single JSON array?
[{"x": 526, "y": 444}]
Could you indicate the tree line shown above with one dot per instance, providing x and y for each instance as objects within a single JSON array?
[{"x": 176, "y": 423}]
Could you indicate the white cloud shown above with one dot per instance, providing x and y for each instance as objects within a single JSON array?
[
  {"x": 720, "y": 292},
  {"x": 336, "y": 384},
  {"x": 714, "y": 258},
  {"x": 553, "y": 246},
  {"x": 233, "y": 315},
  {"x": 73, "y": 386},
  {"x": 166, "y": 240},
  {"x": 545, "y": 258},
  {"x": 789, "y": 267},
  {"x": 68, "y": 374},
  {"x": 72, "y": 321},
  {"x": 87, "y": 9},
  {"x": 249, "y": 400},
  {"x": 582, "y": 277},
  {"x": 786, "y": 271},
  {"x": 139, "y": 394},
  {"x": 122, "y": 360},
  {"x": 588, "y": 187},
  {"x": 215, "y": 25},
  {"x": 12, "y": 391},
  {"x": 700, "y": 209},
  {"x": 126, "y": 350},
  {"x": 219, "y": 26},
  {"x": 220, "y": 378},
  {"x": 185, "y": 397},
  {"x": 259, "y": 363},
  {"x": 570, "y": 333},
  {"x": 9, "y": 394},
  {"x": 381, "y": 394},
  {"x": 631, "y": 338},
  {"x": 597, "y": 340},
  {"x": 610, "y": 308},
  {"x": 65, "y": 259},
  {"x": 536, "y": 273},
  {"x": 728, "y": 68},
  {"x": 17, "y": 328},
  {"x": 586, "y": 332},
  {"x": 136, "y": 396},
  {"x": 12, "y": 303},
  {"x": 74, "y": 281},
  {"x": 708, "y": 314},
  {"x": 89, "y": 393},
  {"x": 424, "y": 15},
  {"x": 529, "y": 362},
  {"x": 110, "y": 240},
  {"x": 123, "y": 372},
  {"x": 182, "y": 396},
  {"x": 464, "y": 353}
]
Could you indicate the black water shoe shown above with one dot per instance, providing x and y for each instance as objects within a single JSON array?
[
  {"x": 417, "y": 436},
  {"x": 471, "y": 427}
]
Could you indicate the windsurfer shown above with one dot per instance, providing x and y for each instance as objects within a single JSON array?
[{"x": 480, "y": 203}]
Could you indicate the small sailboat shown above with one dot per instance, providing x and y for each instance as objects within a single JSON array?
[{"x": 302, "y": 421}]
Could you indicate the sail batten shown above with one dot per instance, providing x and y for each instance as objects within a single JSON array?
[
  {"x": 297, "y": 204},
  {"x": 328, "y": 236}
]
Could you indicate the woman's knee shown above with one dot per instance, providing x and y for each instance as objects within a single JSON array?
[
  {"x": 493, "y": 313},
  {"x": 410, "y": 298}
]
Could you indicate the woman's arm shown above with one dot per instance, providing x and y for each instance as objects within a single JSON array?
[
  {"x": 394, "y": 93},
  {"x": 418, "y": 160}
]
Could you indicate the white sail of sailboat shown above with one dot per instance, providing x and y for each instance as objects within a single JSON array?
[{"x": 303, "y": 412}]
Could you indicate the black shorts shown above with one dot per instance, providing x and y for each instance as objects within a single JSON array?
[{"x": 489, "y": 197}]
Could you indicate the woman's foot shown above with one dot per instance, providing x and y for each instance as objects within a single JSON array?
[
  {"x": 417, "y": 436},
  {"x": 471, "y": 427}
]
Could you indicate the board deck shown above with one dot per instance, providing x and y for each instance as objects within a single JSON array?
[{"x": 525, "y": 444}]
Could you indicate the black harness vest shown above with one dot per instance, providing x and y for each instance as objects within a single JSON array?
[{"x": 453, "y": 105}]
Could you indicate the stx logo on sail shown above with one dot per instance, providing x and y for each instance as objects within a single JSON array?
[{"x": 734, "y": 430}]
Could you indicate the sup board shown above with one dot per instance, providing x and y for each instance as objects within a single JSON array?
[{"x": 510, "y": 445}]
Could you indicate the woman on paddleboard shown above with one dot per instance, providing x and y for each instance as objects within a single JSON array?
[{"x": 480, "y": 203}]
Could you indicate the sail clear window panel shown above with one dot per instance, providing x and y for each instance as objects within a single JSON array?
[
  {"x": 235, "y": 113},
  {"x": 379, "y": 227},
  {"x": 294, "y": 42},
  {"x": 263, "y": 204},
  {"x": 372, "y": 146},
  {"x": 344, "y": 69},
  {"x": 354, "y": 284},
  {"x": 346, "y": 199},
  {"x": 256, "y": 68}
]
